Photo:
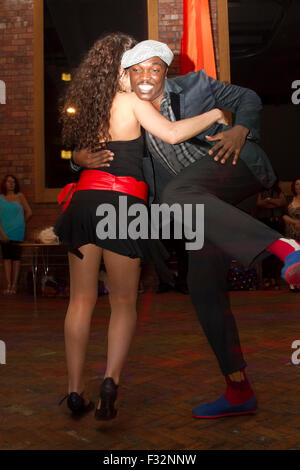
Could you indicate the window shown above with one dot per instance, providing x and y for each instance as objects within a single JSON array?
[{"x": 64, "y": 31}]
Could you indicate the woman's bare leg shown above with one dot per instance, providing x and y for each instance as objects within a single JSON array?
[
  {"x": 123, "y": 279},
  {"x": 7, "y": 264},
  {"x": 15, "y": 273},
  {"x": 83, "y": 297}
]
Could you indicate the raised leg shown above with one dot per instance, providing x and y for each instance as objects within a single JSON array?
[{"x": 221, "y": 187}]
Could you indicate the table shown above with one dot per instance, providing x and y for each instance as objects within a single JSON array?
[{"x": 38, "y": 250}]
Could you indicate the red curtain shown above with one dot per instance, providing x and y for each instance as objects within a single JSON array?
[{"x": 197, "y": 48}]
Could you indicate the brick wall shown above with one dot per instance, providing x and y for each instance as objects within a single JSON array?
[
  {"x": 16, "y": 70},
  {"x": 16, "y": 116}
]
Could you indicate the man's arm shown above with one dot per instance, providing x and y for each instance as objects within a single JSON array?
[
  {"x": 202, "y": 93},
  {"x": 246, "y": 106},
  {"x": 244, "y": 103}
]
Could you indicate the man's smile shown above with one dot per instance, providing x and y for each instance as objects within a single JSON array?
[{"x": 145, "y": 87}]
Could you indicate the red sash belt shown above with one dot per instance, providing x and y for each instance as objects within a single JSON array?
[{"x": 96, "y": 179}]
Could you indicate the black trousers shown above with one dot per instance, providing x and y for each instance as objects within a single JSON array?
[
  {"x": 10, "y": 251},
  {"x": 229, "y": 234},
  {"x": 177, "y": 247}
]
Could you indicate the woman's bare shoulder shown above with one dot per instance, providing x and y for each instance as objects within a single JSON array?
[
  {"x": 130, "y": 98},
  {"x": 125, "y": 97},
  {"x": 123, "y": 102}
]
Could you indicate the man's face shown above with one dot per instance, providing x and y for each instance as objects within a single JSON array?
[{"x": 148, "y": 78}]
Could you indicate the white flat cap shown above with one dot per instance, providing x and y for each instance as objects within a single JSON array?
[{"x": 145, "y": 50}]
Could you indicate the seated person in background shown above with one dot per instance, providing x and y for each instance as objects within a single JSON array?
[
  {"x": 14, "y": 213},
  {"x": 292, "y": 218},
  {"x": 270, "y": 207}
]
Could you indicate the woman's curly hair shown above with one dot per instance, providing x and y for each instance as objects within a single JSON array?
[{"x": 91, "y": 92}]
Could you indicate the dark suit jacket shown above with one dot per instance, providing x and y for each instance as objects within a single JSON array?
[{"x": 196, "y": 93}]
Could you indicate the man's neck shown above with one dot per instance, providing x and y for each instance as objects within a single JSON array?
[{"x": 157, "y": 102}]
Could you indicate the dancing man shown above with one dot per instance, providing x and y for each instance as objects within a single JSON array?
[{"x": 196, "y": 172}]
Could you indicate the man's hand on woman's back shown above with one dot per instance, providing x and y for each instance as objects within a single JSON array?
[{"x": 87, "y": 159}]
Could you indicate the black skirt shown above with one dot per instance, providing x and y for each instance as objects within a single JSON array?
[{"x": 77, "y": 226}]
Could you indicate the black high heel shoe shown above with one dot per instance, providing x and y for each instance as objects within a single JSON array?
[
  {"x": 76, "y": 404},
  {"x": 108, "y": 393}
]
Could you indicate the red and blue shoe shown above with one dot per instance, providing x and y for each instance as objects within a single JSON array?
[
  {"x": 291, "y": 269},
  {"x": 239, "y": 399},
  {"x": 222, "y": 408}
]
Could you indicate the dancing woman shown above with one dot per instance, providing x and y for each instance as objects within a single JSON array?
[{"x": 108, "y": 115}]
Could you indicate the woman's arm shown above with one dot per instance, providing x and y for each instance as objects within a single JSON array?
[
  {"x": 271, "y": 202},
  {"x": 263, "y": 202},
  {"x": 26, "y": 206},
  {"x": 172, "y": 132},
  {"x": 290, "y": 220},
  {"x": 278, "y": 201},
  {"x": 4, "y": 237}
]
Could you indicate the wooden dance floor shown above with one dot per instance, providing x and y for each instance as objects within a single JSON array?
[{"x": 171, "y": 369}]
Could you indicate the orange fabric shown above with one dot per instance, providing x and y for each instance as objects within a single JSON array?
[
  {"x": 197, "y": 48},
  {"x": 96, "y": 179}
]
